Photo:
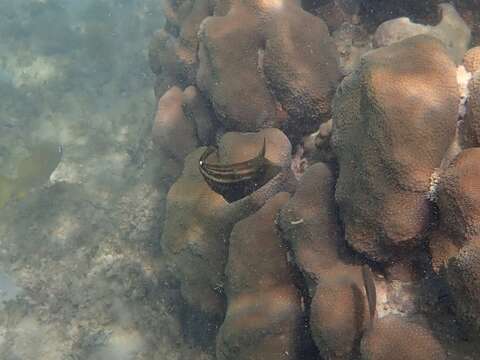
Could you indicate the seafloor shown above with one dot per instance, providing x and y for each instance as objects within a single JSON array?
[
  {"x": 87, "y": 271},
  {"x": 81, "y": 276}
]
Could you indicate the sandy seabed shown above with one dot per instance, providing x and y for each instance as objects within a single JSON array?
[{"x": 81, "y": 275}]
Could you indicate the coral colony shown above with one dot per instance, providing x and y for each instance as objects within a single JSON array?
[{"x": 339, "y": 260}]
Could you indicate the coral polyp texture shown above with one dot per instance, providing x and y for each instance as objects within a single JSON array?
[
  {"x": 471, "y": 60},
  {"x": 256, "y": 64},
  {"x": 471, "y": 125},
  {"x": 451, "y": 30},
  {"x": 309, "y": 226},
  {"x": 393, "y": 120},
  {"x": 264, "y": 318},
  {"x": 394, "y": 338},
  {"x": 319, "y": 216},
  {"x": 463, "y": 275},
  {"x": 199, "y": 220}
]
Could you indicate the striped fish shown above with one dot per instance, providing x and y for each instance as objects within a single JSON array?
[
  {"x": 371, "y": 292},
  {"x": 233, "y": 173}
]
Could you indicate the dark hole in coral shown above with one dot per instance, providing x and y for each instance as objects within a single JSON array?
[
  {"x": 375, "y": 12},
  {"x": 311, "y": 5}
]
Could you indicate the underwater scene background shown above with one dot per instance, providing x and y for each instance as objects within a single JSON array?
[{"x": 239, "y": 179}]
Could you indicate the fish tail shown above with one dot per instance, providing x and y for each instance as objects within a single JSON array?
[{"x": 371, "y": 292}]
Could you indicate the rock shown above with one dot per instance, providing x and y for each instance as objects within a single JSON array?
[
  {"x": 352, "y": 42},
  {"x": 334, "y": 12},
  {"x": 451, "y": 30},
  {"x": 400, "y": 95},
  {"x": 442, "y": 246},
  {"x": 316, "y": 146}
]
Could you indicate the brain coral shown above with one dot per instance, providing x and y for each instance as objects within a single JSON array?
[
  {"x": 173, "y": 50},
  {"x": 199, "y": 220},
  {"x": 338, "y": 316},
  {"x": 395, "y": 338},
  {"x": 463, "y": 276},
  {"x": 309, "y": 225},
  {"x": 459, "y": 207},
  {"x": 393, "y": 120},
  {"x": 264, "y": 319},
  {"x": 182, "y": 122},
  {"x": 229, "y": 71},
  {"x": 471, "y": 126},
  {"x": 258, "y": 66},
  {"x": 171, "y": 128},
  {"x": 459, "y": 196},
  {"x": 471, "y": 60},
  {"x": 301, "y": 66}
]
